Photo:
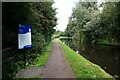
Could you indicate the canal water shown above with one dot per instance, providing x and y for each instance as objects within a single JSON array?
[{"x": 107, "y": 57}]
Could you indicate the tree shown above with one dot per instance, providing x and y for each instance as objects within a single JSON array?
[
  {"x": 41, "y": 16},
  {"x": 94, "y": 26},
  {"x": 82, "y": 14}
]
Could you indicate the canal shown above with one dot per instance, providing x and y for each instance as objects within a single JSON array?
[{"x": 107, "y": 57}]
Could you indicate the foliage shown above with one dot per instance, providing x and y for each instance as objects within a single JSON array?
[
  {"x": 41, "y": 16},
  {"x": 82, "y": 14},
  {"x": 38, "y": 42},
  {"x": 89, "y": 24},
  {"x": 58, "y": 34},
  {"x": 42, "y": 59},
  {"x": 11, "y": 64}
]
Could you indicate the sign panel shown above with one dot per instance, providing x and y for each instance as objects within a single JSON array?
[{"x": 24, "y": 36}]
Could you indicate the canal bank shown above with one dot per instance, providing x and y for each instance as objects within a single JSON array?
[
  {"x": 82, "y": 67},
  {"x": 106, "y": 56}
]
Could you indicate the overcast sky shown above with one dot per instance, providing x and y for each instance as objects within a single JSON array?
[{"x": 64, "y": 12}]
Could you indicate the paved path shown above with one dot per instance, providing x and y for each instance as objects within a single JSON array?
[{"x": 57, "y": 66}]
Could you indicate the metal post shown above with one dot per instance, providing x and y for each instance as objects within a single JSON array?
[{"x": 24, "y": 59}]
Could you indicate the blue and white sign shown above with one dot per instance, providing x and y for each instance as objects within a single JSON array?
[{"x": 24, "y": 36}]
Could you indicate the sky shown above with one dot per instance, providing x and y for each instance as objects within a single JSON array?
[{"x": 64, "y": 9}]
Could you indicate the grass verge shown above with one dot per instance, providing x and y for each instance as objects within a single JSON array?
[
  {"x": 42, "y": 58},
  {"x": 83, "y": 68},
  {"x": 39, "y": 62}
]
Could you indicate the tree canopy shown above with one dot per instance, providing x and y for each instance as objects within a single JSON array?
[
  {"x": 89, "y": 24},
  {"x": 39, "y": 15}
]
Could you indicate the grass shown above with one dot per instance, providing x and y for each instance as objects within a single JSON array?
[
  {"x": 102, "y": 41},
  {"x": 40, "y": 62},
  {"x": 42, "y": 59},
  {"x": 81, "y": 67}
]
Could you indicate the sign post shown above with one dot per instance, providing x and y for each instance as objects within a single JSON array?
[{"x": 24, "y": 39}]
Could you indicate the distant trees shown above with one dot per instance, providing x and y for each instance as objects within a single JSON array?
[
  {"x": 88, "y": 24},
  {"x": 105, "y": 26},
  {"x": 82, "y": 14}
]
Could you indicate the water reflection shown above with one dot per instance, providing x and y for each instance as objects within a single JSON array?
[{"x": 108, "y": 57}]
